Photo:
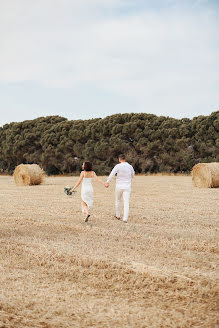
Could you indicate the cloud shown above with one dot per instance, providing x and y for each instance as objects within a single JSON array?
[{"x": 165, "y": 60}]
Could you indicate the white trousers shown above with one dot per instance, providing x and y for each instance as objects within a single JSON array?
[{"x": 126, "y": 196}]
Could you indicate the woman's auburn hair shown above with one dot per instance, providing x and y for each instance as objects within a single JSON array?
[{"x": 88, "y": 166}]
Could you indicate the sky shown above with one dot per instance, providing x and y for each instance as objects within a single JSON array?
[{"x": 83, "y": 59}]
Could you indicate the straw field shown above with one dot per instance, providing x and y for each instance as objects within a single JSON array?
[{"x": 159, "y": 270}]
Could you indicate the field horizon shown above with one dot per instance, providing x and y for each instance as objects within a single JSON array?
[
  {"x": 159, "y": 270},
  {"x": 76, "y": 174}
]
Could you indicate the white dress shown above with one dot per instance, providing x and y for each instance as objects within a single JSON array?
[{"x": 87, "y": 191}]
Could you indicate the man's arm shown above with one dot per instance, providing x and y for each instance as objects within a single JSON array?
[
  {"x": 133, "y": 172},
  {"x": 113, "y": 173}
]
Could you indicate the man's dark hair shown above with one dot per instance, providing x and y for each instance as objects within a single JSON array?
[
  {"x": 122, "y": 157},
  {"x": 88, "y": 166}
]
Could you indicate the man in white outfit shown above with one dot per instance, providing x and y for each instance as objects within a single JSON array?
[{"x": 125, "y": 173}]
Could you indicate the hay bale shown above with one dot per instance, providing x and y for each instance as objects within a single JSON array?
[
  {"x": 206, "y": 175},
  {"x": 28, "y": 174}
]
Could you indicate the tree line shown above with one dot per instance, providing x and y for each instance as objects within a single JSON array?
[{"x": 151, "y": 143}]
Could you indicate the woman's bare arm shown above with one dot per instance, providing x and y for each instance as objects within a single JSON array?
[
  {"x": 100, "y": 181},
  {"x": 79, "y": 181}
]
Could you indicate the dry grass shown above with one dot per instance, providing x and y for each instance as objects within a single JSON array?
[{"x": 159, "y": 270}]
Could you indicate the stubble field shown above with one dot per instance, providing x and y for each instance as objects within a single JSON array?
[{"x": 159, "y": 270}]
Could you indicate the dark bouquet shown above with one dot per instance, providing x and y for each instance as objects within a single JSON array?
[{"x": 68, "y": 192}]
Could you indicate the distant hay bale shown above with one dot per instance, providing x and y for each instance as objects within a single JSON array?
[
  {"x": 28, "y": 174},
  {"x": 206, "y": 175}
]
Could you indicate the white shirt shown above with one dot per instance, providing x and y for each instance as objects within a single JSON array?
[{"x": 125, "y": 173}]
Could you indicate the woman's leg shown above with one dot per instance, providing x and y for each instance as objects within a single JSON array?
[{"x": 85, "y": 208}]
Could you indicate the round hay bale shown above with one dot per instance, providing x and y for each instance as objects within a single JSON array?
[
  {"x": 28, "y": 174},
  {"x": 206, "y": 175}
]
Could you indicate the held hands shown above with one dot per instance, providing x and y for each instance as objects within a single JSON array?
[{"x": 106, "y": 184}]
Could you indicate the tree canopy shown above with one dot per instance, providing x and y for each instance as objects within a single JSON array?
[{"x": 152, "y": 143}]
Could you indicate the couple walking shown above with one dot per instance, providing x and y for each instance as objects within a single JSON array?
[{"x": 125, "y": 173}]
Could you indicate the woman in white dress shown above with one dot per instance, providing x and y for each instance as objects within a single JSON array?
[{"x": 86, "y": 178}]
